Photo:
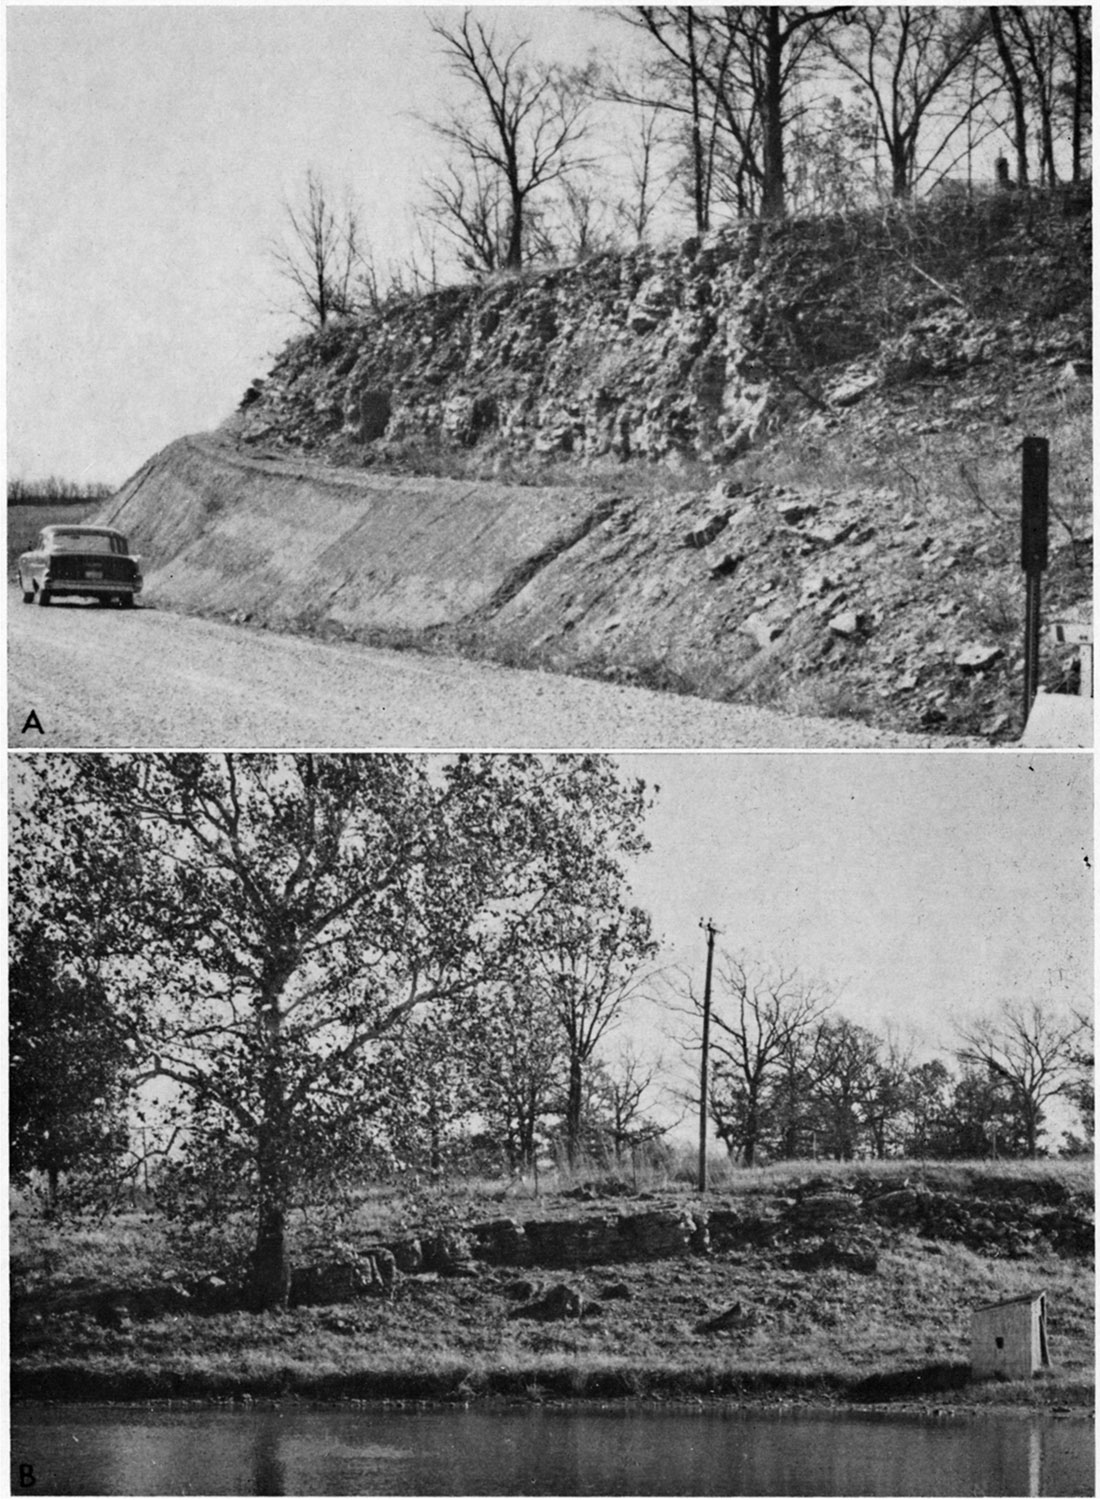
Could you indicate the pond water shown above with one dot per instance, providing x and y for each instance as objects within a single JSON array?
[{"x": 542, "y": 1451}]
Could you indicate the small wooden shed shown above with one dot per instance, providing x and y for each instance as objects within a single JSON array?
[{"x": 1009, "y": 1339}]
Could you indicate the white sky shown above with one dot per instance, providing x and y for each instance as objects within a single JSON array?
[
  {"x": 150, "y": 151},
  {"x": 921, "y": 887}
]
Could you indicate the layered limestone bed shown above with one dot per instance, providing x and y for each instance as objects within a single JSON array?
[{"x": 819, "y": 1227}]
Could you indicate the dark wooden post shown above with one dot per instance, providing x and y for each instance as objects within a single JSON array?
[{"x": 1035, "y": 491}]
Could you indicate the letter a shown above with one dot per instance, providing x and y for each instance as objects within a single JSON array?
[{"x": 32, "y": 723}]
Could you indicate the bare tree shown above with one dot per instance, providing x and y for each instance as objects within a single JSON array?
[
  {"x": 519, "y": 134},
  {"x": 322, "y": 252},
  {"x": 470, "y": 205},
  {"x": 759, "y": 1017},
  {"x": 583, "y": 217},
  {"x": 635, "y": 213},
  {"x": 626, "y": 1085},
  {"x": 907, "y": 58},
  {"x": 1032, "y": 1049},
  {"x": 685, "y": 77},
  {"x": 1073, "y": 25},
  {"x": 733, "y": 72}
]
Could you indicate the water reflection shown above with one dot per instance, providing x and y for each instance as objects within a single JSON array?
[{"x": 290, "y": 1451}]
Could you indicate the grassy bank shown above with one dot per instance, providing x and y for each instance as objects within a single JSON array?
[{"x": 830, "y": 1334}]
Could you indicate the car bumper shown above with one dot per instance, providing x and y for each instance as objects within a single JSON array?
[{"x": 91, "y": 586}]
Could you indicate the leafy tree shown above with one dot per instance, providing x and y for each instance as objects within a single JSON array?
[
  {"x": 887, "y": 1098},
  {"x": 323, "y": 252},
  {"x": 521, "y": 1057},
  {"x": 984, "y": 1118},
  {"x": 273, "y": 918},
  {"x": 1030, "y": 1048},
  {"x": 1082, "y": 1086},
  {"x": 927, "y": 1097},
  {"x": 67, "y": 1066},
  {"x": 587, "y": 960},
  {"x": 829, "y": 159},
  {"x": 519, "y": 133},
  {"x": 848, "y": 1060}
]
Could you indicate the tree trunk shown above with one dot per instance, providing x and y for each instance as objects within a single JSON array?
[
  {"x": 1079, "y": 54},
  {"x": 750, "y": 1138},
  {"x": 573, "y": 1110},
  {"x": 773, "y": 203},
  {"x": 1016, "y": 94},
  {"x": 270, "y": 1286},
  {"x": 699, "y": 175},
  {"x": 513, "y": 258}
]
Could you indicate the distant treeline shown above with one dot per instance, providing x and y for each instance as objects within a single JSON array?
[{"x": 54, "y": 491}]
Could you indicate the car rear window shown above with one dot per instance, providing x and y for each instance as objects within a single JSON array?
[{"x": 86, "y": 541}]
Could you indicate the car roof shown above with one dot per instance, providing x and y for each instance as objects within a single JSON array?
[{"x": 76, "y": 526}]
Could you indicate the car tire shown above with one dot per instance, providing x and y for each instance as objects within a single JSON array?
[
  {"x": 126, "y": 601},
  {"x": 42, "y": 597}
]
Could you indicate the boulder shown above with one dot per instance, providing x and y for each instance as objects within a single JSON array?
[
  {"x": 562, "y": 1301},
  {"x": 761, "y": 629},
  {"x": 848, "y": 1255},
  {"x": 731, "y": 1318},
  {"x": 702, "y": 536},
  {"x": 848, "y": 623},
  {"x": 331, "y": 1281},
  {"x": 978, "y": 658}
]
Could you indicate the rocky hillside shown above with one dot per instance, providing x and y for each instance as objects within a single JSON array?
[
  {"x": 706, "y": 350},
  {"x": 794, "y": 449}
]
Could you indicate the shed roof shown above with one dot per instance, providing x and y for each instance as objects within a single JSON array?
[{"x": 1010, "y": 1301}]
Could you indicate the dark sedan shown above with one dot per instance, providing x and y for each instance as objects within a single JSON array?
[{"x": 89, "y": 561}]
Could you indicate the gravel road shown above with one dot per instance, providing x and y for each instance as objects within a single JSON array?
[{"x": 149, "y": 679}]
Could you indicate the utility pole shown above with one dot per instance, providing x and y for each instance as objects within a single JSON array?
[{"x": 710, "y": 929}]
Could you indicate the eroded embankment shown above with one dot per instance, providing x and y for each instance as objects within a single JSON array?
[{"x": 298, "y": 546}]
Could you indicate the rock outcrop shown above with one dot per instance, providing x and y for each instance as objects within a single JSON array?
[{"x": 702, "y": 350}]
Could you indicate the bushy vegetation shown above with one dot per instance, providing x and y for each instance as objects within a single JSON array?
[{"x": 54, "y": 491}]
